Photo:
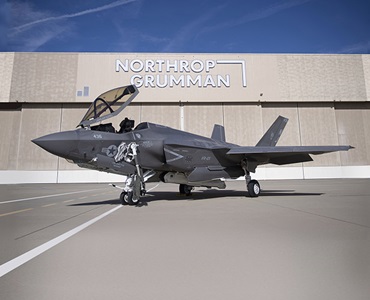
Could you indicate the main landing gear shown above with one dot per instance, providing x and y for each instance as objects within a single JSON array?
[
  {"x": 185, "y": 189},
  {"x": 253, "y": 186}
]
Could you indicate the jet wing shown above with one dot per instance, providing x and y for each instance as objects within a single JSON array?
[{"x": 281, "y": 155}]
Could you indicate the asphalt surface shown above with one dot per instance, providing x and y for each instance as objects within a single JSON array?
[{"x": 301, "y": 239}]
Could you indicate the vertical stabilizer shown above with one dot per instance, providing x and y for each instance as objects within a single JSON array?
[
  {"x": 218, "y": 133},
  {"x": 272, "y": 135}
]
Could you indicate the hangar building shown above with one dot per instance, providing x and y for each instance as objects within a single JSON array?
[{"x": 325, "y": 97}]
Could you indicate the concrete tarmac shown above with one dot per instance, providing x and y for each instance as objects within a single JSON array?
[{"x": 301, "y": 239}]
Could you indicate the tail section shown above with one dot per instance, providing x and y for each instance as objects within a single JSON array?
[
  {"x": 272, "y": 135},
  {"x": 218, "y": 133}
]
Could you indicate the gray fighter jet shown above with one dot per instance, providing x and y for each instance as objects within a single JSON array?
[{"x": 159, "y": 153}]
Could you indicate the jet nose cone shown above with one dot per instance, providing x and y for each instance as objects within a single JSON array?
[{"x": 60, "y": 143}]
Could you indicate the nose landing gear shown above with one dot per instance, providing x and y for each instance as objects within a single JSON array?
[
  {"x": 132, "y": 191},
  {"x": 135, "y": 183}
]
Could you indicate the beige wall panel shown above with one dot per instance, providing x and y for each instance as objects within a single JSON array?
[
  {"x": 44, "y": 77},
  {"x": 37, "y": 121},
  {"x": 318, "y": 127},
  {"x": 243, "y": 124},
  {"x": 6, "y": 70},
  {"x": 366, "y": 66},
  {"x": 262, "y": 78},
  {"x": 322, "y": 77},
  {"x": 167, "y": 115},
  {"x": 351, "y": 131},
  {"x": 252, "y": 77},
  {"x": 199, "y": 119},
  {"x": 96, "y": 71},
  {"x": 9, "y": 137},
  {"x": 247, "y": 76},
  {"x": 71, "y": 116}
]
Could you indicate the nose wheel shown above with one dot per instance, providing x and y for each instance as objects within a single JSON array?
[
  {"x": 132, "y": 191},
  {"x": 127, "y": 198}
]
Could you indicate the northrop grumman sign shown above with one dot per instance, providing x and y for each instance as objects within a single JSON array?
[{"x": 164, "y": 73}]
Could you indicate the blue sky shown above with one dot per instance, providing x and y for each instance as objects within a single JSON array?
[{"x": 191, "y": 26}]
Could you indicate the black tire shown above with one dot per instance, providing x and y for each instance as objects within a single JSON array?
[
  {"x": 185, "y": 189},
  {"x": 127, "y": 198},
  {"x": 254, "y": 188},
  {"x": 123, "y": 198},
  {"x": 134, "y": 201}
]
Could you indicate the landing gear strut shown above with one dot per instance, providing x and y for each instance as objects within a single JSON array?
[
  {"x": 135, "y": 183},
  {"x": 253, "y": 186},
  {"x": 132, "y": 191}
]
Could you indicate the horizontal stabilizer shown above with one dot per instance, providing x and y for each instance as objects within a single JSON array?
[
  {"x": 272, "y": 135},
  {"x": 218, "y": 133}
]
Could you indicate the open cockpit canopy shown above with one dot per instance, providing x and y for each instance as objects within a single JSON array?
[{"x": 109, "y": 104}]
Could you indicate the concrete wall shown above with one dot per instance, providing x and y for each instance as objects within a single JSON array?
[{"x": 325, "y": 97}]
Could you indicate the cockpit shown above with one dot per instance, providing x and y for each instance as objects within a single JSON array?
[
  {"x": 107, "y": 105},
  {"x": 126, "y": 125},
  {"x": 142, "y": 126}
]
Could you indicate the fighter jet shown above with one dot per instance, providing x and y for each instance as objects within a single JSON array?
[{"x": 153, "y": 152}]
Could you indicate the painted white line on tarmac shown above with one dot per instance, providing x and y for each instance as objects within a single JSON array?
[
  {"x": 22, "y": 259},
  {"x": 46, "y": 196},
  {"x": 15, "y": 212}
]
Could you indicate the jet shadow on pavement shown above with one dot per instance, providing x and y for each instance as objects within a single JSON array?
[{"x": 199, "y": 195}]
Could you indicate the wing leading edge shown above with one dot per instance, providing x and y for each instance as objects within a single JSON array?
[{"x": 281, "y": 155}]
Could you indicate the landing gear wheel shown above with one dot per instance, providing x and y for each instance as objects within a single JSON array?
[
  {"x": 128, "y": 199},
  {"x": 134, "y": 201},
  {"x": 185, "y": 189},
  {"x": 253, "y": 188}
]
